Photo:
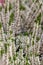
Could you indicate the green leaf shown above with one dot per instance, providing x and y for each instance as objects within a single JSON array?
[
  {"x": 26, "y": 58},
  {"x": 25, "y": 33},
  {"x": 9, "y": 58},
  {"x": 28, "y": 46},
  {"x": 38, "y": 20},
  {"x": 0, "y": 25},
  {"x": 10, "y": 6},
  {"x": 33, "y": 0},
  {"x": 1, "y": 52},
  {"x": 22, "y": 7},
  {"x": 0, "y": 8},
  {"x": 31, "y": 54},
  {"x": 11, "y": 32},
  {"x": 13, "y": 40},
  {"x": 1, "y": 40},
  {"x": 6, "y": 46},
  {"x": 37, "y": 39},
  {"x": 42, "y": 26},
  {"x": 32, "y": 42},
  {"x": 30, "y": 32},
  {"x": 36, "y": 54},
  {"x": 14, "y": 57},
  {"x": 11, "y": 18},
  {"x": 6, "y": 9},
  {"x": 40, "y": 5},
  {"x": 27, "y": 61},
  {"x": 5, "y": 32}
]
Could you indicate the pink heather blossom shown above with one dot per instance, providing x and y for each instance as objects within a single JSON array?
[{"x": 2, "y": 2}]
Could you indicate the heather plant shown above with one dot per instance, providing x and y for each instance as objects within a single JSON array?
[{"x": 21, "y": 32}]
